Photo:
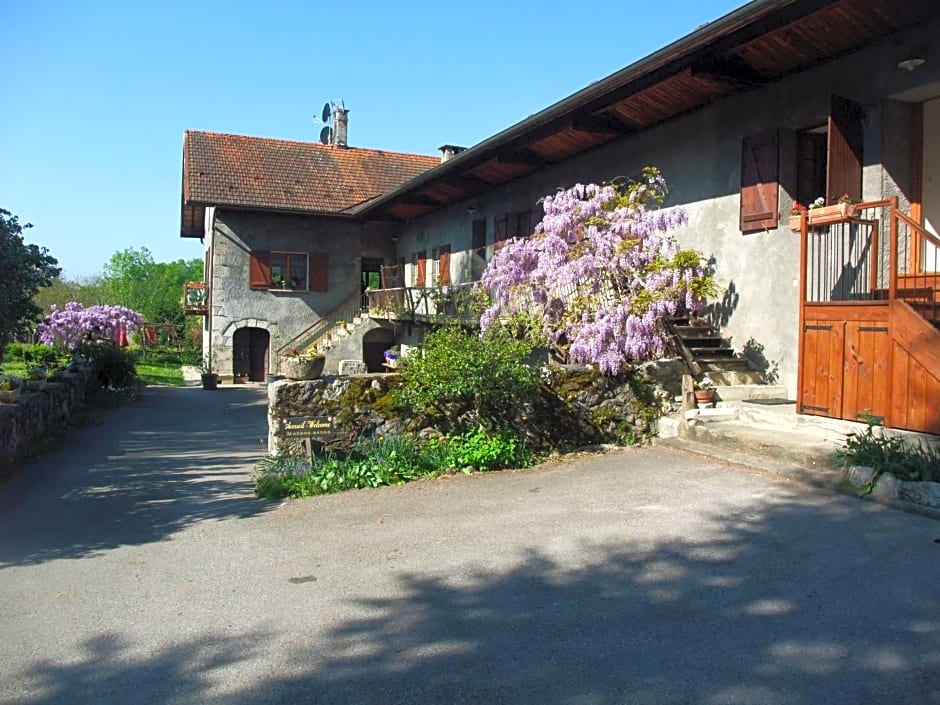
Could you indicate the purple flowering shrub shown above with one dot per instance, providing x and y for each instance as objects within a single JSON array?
[
  {"x": 599, "y": 274},
  {"x": 75, "y": 324}
]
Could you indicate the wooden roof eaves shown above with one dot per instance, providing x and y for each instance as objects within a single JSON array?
[{"x": 715, "y": 36}]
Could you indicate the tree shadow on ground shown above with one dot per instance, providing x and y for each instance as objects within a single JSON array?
[
  {"x": 140, "y": 474},
  {"x": 773, "y": 606}
]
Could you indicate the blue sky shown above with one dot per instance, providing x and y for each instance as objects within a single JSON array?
[{"x": 98, "y": 94}]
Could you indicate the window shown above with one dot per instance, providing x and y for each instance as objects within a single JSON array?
[{"x": 288, "y": 271}]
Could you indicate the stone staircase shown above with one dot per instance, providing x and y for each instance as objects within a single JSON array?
[{"x": 706, "y": 352}]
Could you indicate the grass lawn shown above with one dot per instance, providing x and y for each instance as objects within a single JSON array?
[{"x": 158, "y": 372}]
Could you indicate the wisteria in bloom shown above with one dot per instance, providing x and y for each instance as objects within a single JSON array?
[
  {"x": 599, "y": 274},
  {"x": 74, "y": 324}
]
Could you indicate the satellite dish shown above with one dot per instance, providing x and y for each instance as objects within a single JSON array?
[
  {"x": 327, "y": 112},
  {"x": 326, "y": 135}
]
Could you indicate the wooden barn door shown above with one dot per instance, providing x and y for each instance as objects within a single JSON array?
[{"x": 867, "y": 372}]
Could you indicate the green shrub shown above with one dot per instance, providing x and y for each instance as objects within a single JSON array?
[
  {"x": 460, "y": 372},
  {"x": 114, "y": 367},
  {"x": 883, "y": 453},
  {"x": 480, "y": 451},
  {"x": 30, "y": 354}
]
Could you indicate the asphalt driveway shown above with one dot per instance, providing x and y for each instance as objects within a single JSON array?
[{"x": 136, "y": 567}]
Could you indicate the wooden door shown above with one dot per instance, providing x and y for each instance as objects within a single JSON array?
[
  {"x": 258, "y": 341},
  {"x": 822, "y": 361},
  {"x": 867, "y": 373}
]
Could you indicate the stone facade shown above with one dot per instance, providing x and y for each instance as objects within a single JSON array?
[
  {"x": 576, "y": 406},
  {"x": 283, "y": 314}
]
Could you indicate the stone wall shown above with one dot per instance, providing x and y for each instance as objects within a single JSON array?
[
  {"x": 41, "y": 410},
  {"x": 576, "y": 406}
]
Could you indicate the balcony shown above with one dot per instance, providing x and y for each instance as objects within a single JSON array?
[
  {"x": 196, "y": 299},
  {"x": 420, "y": 304}
]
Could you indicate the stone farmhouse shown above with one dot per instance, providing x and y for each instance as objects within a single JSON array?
[{"x": 777, "y": 103}]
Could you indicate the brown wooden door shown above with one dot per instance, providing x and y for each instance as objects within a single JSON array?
[
  {"x": 867, "y": 374},
  {"x": 822, "y": 360},
  {"x": 258, "y": 341}
]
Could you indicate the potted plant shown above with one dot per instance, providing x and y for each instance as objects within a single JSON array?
[
  {"x": 821, "y": 214},
  {"x": 10, "y": 388},
  {"x": 796, "y": 214},
  {"x": 299, "y": 365},
  {"x": 210, "y": 380},
  {"x": 704, "y": 392}
]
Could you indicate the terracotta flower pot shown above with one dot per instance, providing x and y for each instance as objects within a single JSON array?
[
  {"x": 704, "y": 396},
  {"x": 299, "y": 368}
]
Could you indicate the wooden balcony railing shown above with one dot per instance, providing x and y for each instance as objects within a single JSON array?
[{"x": 424, "y": 304}]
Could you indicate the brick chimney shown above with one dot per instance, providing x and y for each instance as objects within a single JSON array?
[
  {"x": 449, "y": 151},
  {"x": 340, "y": 122}
]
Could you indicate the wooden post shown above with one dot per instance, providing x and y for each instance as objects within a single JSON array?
[{"x": 893, "y": 244}]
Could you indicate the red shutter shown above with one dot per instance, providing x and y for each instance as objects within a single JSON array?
[
  {"x": 319, "y": 272},
  {"x": 259, "y": 270},
  {"x": 759, "y": 182},
  {"x": 444, "y": 265},
  {"x": 421, "y": 271},
  {"x": 844, "y": 172}
]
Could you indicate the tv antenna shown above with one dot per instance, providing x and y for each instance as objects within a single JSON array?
[{"x": 326, "y": 117}]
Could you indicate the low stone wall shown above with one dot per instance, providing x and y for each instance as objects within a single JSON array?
[
  {"x": 576, "y": 405},
  {"x": 37, "y": 411}
]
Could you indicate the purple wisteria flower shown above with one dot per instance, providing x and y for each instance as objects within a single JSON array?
[{"x": 600, "y": 273}]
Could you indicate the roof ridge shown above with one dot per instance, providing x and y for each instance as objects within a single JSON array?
[{"x": 317, "y": 145}]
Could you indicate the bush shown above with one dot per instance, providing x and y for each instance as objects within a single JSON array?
[
  {"x": 114, "y": 367},
  {"x": 460, "y": 372},
  {"x": 479, "y": 451},
  {"x": 30, "y": 354}
]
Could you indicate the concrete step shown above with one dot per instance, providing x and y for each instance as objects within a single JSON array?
[
  {"x": 738, "y": 392},
  {"x": 804, "y": 448},
  {"x": 737, "y": 377},
  {"x": 720, "y": 364}
]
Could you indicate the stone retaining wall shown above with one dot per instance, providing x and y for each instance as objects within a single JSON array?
[
  {"x": 576, "y": 405},
  {"x": 38, "y": 411}
]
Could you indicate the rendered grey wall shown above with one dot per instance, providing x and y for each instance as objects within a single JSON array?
[{"x": 700, "y": 156}]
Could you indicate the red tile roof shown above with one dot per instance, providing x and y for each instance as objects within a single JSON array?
[{"x": 259, "y": 172}]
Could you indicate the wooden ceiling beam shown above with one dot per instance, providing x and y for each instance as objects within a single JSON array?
[
  {"x": 603, "y": 124},
  {"x": 732, "y": 70},
  {"x": 523, "y": 157}
]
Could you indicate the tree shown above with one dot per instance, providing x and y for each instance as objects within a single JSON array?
[
  {"x": 599, "y": 274},
  {"x": 133, "y": 279},
  {"x": 26, "y": 268}
]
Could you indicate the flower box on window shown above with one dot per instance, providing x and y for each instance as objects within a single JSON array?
[{"x": 830, "y": 214}]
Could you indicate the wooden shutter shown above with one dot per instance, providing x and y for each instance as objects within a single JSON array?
[
  {"x": 523, "y": 224},
  {"x": 421, "y": 269},
  {"x": 500, "y": 234},
  {"x": 319, "y": 264},
  {"x": 759, "y": 182},
  {"x": 846, "y": 135},
  {"x": 444, "y": 265},
  {"x": 259, "y": 269}
]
